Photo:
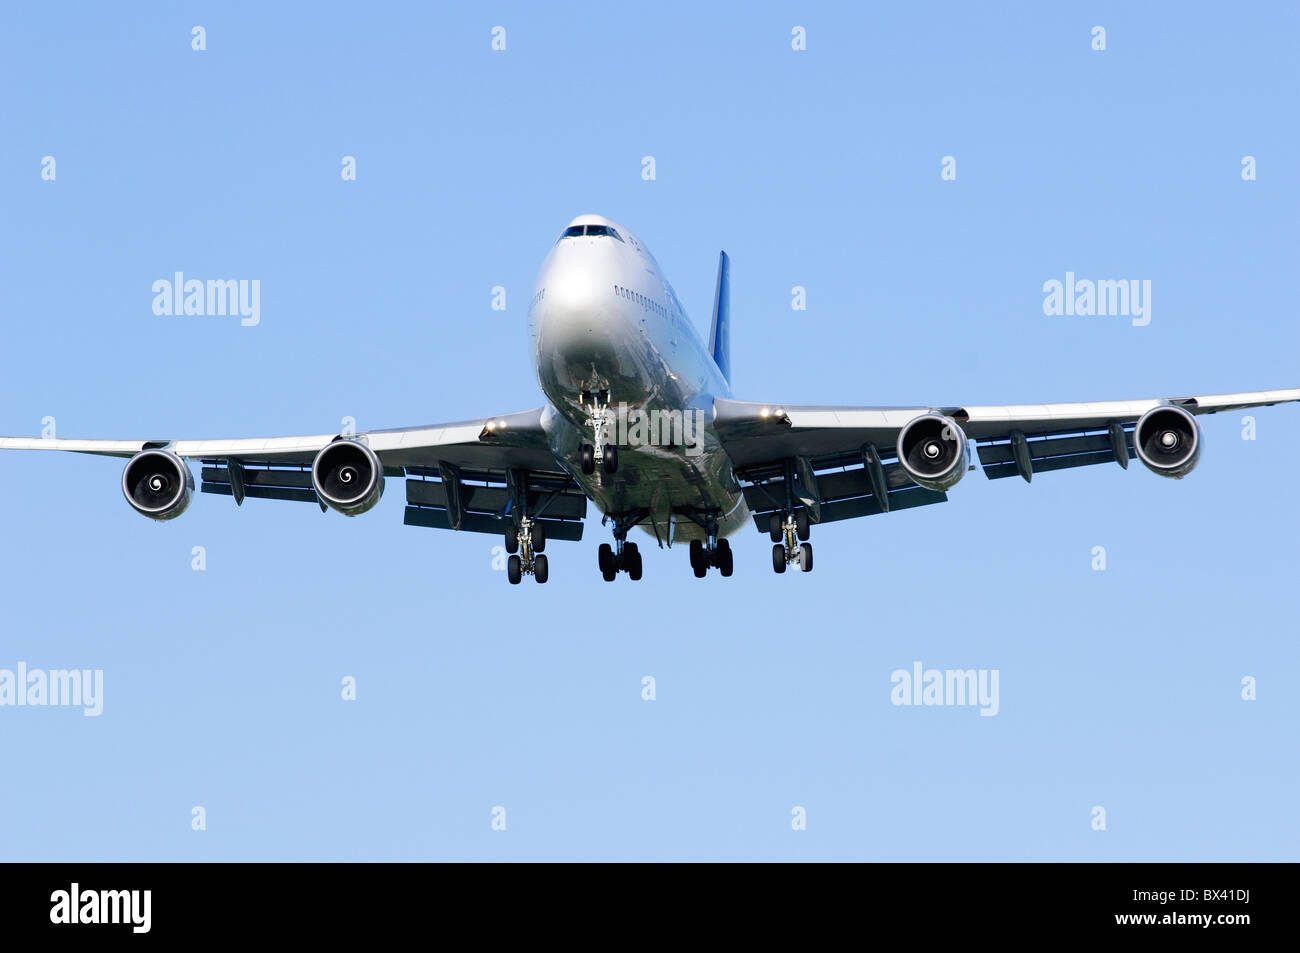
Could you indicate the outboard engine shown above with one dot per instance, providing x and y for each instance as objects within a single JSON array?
[
  {"x": 933, "y": 451},
  {"x": 348, "y": 477},
  {"x": 158, "y": 484},
  {"x": 1168, "y": 441}
]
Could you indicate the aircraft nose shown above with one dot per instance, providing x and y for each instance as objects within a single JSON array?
[{"x": 577, "y": 313}]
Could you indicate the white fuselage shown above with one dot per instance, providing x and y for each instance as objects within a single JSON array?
[{"x": 605, "y": 319}]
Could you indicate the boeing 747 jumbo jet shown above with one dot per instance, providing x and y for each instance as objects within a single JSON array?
[{"x": 639, "y": 419}]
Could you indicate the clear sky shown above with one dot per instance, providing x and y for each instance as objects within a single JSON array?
[{"x": 819, "y": 168}]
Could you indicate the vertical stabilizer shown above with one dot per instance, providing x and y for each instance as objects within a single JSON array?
[{"x": 720, "y": 332}]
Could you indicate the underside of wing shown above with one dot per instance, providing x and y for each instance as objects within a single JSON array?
[
  {"x": 476, "y": 475},
  {"x": 843, "y": 462}
]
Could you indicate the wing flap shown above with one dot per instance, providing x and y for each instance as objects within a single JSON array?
[
  {"x": 1054, "y": 453},
  {"x": 568, "y": 530}
]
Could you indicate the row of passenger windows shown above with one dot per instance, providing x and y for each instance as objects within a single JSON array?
[
  {"x": 641, "y": 299},
  {"x": 591, "y": 231}
]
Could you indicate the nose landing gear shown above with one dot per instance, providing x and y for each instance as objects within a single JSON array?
[{"x": 602, "y": 453}]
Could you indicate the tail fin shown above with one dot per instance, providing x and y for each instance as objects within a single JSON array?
[{"x": 720, "y": 333}]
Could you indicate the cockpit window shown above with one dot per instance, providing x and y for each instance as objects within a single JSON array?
[{"x": 591, "y": 231}]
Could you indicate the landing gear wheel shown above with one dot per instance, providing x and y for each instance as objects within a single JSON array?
[
  {"x": 802, "y": 529},
  {"x": 632, "y": 559},
  {"x": 541, "y": 572},
  {"x": 512, "y": 539},
  {"x": 724, "y": 557},
  {"x": 805, "y": 557},
  {"x": 605, "y": 556},
  {"x": 588, "y": 455},
  {"x": 774, "y": 529},
  {"x": 539, "y": 536},
  {"x": 514, "y": 570},
  {"x": 610, "y": 453},
  {"x": 778, "y": 557},
  {"x": 699, "y": 561}
]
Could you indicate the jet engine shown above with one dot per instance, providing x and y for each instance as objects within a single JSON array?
[
  {"x": 348, "y": 477},
  {"x": 1168, "y": 441},
  {"x": 158, "y": 484},
  {"x": 933, "y": 451}
]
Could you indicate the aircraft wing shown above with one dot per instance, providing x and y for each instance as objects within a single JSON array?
[
  {"x": 463, "y": 475},
  {"x": 842, "y": 462}
]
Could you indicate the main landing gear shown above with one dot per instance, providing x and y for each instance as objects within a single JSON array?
[
  {"x": 787, "y": 530},
  {"x": 711, "y": 551},
  {"x": 622, "y": 556},
  {"x": 602, "y": 453},
  {"x": 525, "y": 543}
]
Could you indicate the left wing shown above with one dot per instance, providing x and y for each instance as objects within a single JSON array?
[
  {"x": 463, "y": 475},
  {"x": 843, "y": 462}
]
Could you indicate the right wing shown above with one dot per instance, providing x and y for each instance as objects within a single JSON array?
[{"x": 842, "y": 462}]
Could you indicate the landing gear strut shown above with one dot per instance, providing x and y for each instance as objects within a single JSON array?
[
  {"x": 602, "y": 453},
  {"x": 787, "y": 531},
  {"x": 622, "y": 556}
]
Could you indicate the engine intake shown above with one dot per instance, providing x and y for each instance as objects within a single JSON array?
[
  {"x": 933, "y": 451},
  {"x": 348, "y": 477},
  {"x": 1168, "y": 441},
  {"x": 158, "y": 484}
]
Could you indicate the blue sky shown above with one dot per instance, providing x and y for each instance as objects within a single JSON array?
[{"x": 820, "y": 168}]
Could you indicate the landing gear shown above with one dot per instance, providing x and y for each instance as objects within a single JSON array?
[
  {"x": 599, "y": 453},
  {"x": 622, "y": 556},
  {"x": 790, "y": 534},
  {"x": 710, "y": 552},
  {"x": 525, "y": 542},
  {"x": 627, "y": 560},
  {"x": 699, "y": 559}
]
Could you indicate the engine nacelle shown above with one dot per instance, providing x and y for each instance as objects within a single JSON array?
[
  {"x": 158, "y": 484},
  {"x": 933, "y": 451},
  {"x": 1168, "y": 441},
  {"x": 348, "y": 477}
]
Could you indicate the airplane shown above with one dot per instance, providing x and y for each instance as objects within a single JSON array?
[{"x": 639, "y": 420}]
